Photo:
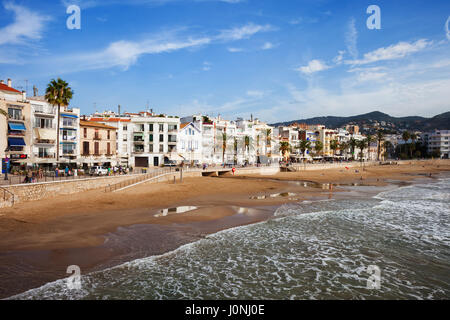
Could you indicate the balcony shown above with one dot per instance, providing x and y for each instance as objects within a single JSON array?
[
  {"x": 16, "y": 134},
  {"x": 44, "y": 141},
  {"x": 97, "y": 136},
  {"x": 138, "y": 151},
  {"x": 16, "y": 117},
  {"x": 68, "y": 152},
  {"x": 45, "y": 155}
]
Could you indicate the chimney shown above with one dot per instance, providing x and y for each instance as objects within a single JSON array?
[
  {"x": 119, "y": 110},
  {"x": 9, "y": 83},
  {"x": 24, "y": 96},
  {"x": 35, "y": 91}
]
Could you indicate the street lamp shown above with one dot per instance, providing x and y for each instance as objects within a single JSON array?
[{"x": 6, "y": 163}]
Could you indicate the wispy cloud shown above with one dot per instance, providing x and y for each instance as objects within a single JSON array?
[
  {"x": 395, "y": 51},
  {"x": 351, "y": 39},
  {"x": 123, "y": 53},
  {"x": 313, "y": 66},
  {"x": 235, "y": 50},
  {"x": 243, "y": 32},
  {"x": 268, "y": 46},
  {"x": 27, "y": 26}
]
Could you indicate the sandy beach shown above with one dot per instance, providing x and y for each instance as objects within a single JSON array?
[{"x": 96, "y": 229}]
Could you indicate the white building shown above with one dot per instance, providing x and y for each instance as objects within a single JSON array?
[
  {"x": 144, "y": 138},
  {"x": 438, "y": 141},
  {"x": 69, "y": 135},
  {"x": 190, "y": 143},
  {"x": 43, "y": 119}
]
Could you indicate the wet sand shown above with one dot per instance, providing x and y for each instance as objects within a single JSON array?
[{"x": 95, "y": 230}]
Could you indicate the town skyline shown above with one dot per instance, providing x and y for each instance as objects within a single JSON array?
[{"x": 234, "y": 58}]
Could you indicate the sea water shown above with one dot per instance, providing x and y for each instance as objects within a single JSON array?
[{"x": 311, "y": 250}]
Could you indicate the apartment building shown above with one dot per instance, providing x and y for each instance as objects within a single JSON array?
[
  {"x": 190, "y": 143},
  {"x": 98, "y": 144},
  {"x": 44, "y": 133},
  {"x": 438, "y": 142},
  {"x": 144, "y": 139},
  {"x": 69, "y": 135},
  {"x": 16, "y": 140}
]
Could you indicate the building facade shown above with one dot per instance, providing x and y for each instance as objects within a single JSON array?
[{"x": 98, "y": 144}]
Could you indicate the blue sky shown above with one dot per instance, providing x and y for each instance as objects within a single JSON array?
[{"x": 276, "y": 59}]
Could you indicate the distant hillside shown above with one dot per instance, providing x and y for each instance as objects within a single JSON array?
[{"x": 441, "y": 121}]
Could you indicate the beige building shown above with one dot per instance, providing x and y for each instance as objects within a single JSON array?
[
  {"x": 16, "y": 128},
  {"x": 97, "y": 144}
]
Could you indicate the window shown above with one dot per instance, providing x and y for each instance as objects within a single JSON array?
[
  {"x": 43, "y": 153},
  {"x": 125, "y": 137},
  {"x": 150, "y": 148},
  {"x": 85, "y": 132},
  {"x": 161, "y": 148},
  {"x": 151, "y": 138},
  {"x": 150, "y": 127},
  {"x": 43, "y": 123},
  {"x": 124, "y": 148},
  {"x": 68, "y": 148},
  {"x": 85, "y": 148},
  {"x": 172, "y": 127},
  {"x": 125, "y": 128},
  {"x": 96, "y": 148},
  {"x": 161, "y": 128},
  {"x": 109, "y": 136},
  {"x": 69, "y": 122},
  {"x": 161, "y": 138},
  {"x": 15, "y": 114},
  {"x": 108, "y": 148}
]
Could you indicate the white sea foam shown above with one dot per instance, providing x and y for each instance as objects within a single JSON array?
[{"x": 315, "y": 250}]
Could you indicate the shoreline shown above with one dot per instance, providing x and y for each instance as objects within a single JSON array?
[{"x": 41, "y": 248}]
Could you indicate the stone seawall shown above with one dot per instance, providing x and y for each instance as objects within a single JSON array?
[{"x": 45, "y": 190}]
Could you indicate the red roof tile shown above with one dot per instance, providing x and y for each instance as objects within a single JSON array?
[{"x": 4, "y": 87}]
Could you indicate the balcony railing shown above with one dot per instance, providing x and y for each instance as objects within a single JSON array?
[
  {"x": 45, "y": 155},
  {"x": 68, "y": 152},
  {"x": 16, "y": 133},
  {"x": 44, "y": 141},
  {"x": 16, "y": 117},
  {"x": 138, "y": 151}
]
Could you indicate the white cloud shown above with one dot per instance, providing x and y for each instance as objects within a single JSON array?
[
  {"x": 339, "y": 58},
  {"x": 447, "y": 28},
  {"x": 268, "y": 46},
  {"x": 28, "y": 25},
  {"x": 126, "y": 53},
  {"x": 313, "y": 66},
  {"x": 206, "y": 66},
  {"x": 243, "y": 32},
  {"x": 255, "y": 93},
  {"x": 395, "y": 51},
  {"x": 351, "y": 39},
  {"x": 234, "y": 50}
]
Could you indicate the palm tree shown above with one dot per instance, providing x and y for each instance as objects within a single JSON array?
[
  {"x": 224, "y": 146},
  {"x": 344, "y": 147},
  {"x": 334, "y": 145},
  {"x": 304, "y": 145},
  {"x": 285, "y": 147},
  {"x": 406, "y": 136},
  {"x": 318, "y": 147},
  {"x": 413, "y": 138},
  {"x": 380, "y": 139},
  {"x": 268, "y": 138},
  {"x": 247, "y": 146},
  {"x": 353, "y": 143},
  {"x": 58, "y": 93},
  {"x": 369, "y": 139},
  {"x": 362, "y": 144},
  {"x": 235, "y": 146},
  {"x": 388, "y": 147}
]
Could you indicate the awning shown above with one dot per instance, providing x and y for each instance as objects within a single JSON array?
[
  {"x": 69, "y": 116},
  {"x": 17, "y": 126},
  {"x": 16, "y": 142}
]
